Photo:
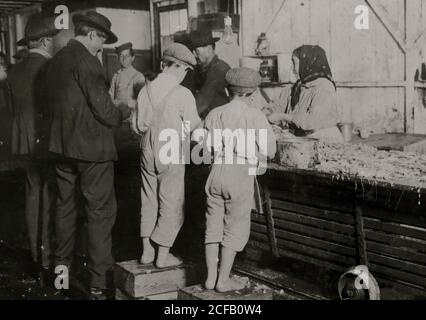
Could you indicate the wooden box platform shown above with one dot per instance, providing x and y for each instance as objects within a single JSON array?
[
  {"x": 139, "y": 281},
  {"x": 119, "y": 295},
  {"x": 253, "y": 291}
]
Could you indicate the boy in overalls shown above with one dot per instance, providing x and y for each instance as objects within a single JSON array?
[{"x": 162, "y": 191}]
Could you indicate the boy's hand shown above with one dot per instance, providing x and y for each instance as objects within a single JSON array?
[
  {"x": 132, "y": 104},
  {"x": 276, "y": 118}
]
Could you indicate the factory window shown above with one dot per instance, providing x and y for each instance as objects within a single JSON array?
[{"x": 170, "y": 17}]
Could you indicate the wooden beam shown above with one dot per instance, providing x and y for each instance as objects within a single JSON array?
[
  {"x": 412, "y": 61},
  {"x": 391, "y": 27},
  {"x": 16, "y": 2},
  {"x": 371, "y": 84},
  {"x": 155, "y": 63},
  {"x": 12, "y": 6}
]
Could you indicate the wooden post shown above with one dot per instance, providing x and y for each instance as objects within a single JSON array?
[
  {"x": 414, "y": 36},
  {"x": 154, "y": 47},
  {"x": 270, "y": 222},
  {"x": 12, "y": 37},
  {"x": 360, "y": 235}
]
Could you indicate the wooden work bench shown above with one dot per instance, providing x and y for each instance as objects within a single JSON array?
[{"x": 334, "y": 223}]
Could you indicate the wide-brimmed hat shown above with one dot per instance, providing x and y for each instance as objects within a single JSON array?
[
  {"x": 202, "y": 38},
  {"x": 180, "y": 54},
  {"x": 37, "y": 28},
  {"x": 98, "y": 21}
]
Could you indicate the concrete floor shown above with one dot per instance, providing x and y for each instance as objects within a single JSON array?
[
  {"x": 16, "y": 282},
  {"x": 15, "y": 279}
]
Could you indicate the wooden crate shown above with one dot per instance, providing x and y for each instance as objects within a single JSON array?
[
  {"x": 139, "y": 281},
  {"x": 119, "y": 295}
]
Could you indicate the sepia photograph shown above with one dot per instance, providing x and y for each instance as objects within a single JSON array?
[{"x": 220, "y": 156}]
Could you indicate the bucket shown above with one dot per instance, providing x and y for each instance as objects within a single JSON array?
[
  {"x": 346, "y": 130},
  {"x": 358, "y": 284}
]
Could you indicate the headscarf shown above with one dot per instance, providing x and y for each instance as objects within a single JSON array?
[{"x": 313, "y": 65}]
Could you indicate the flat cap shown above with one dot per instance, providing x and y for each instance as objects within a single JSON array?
[
  {"x": 243, "y": 80},
  {"x": 178, "y": 53},
  {"x": 125, "y": 46}
]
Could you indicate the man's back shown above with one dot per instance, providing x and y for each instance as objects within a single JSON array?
[
  {"x": 83, "y": 113},
  {"x": 27, "y": 85}
]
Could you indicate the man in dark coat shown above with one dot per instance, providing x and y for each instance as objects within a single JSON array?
[
  {"x": 27, "y": 84},
  {"x": 6, "y": 119},
  {"x": 210, "y": 75},
  {"x": 81, "y": 133}
]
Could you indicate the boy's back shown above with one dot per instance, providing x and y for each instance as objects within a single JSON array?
[{"x": 236, "y": 115}]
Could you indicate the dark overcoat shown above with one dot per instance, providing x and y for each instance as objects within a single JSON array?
[
  {"x": 82, "y": 112},
  {"x": 211, "y": 84},
  {"x": 29, "y": 104}
]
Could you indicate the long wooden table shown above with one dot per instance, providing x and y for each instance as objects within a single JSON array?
[{"x": 336, "y": 223}]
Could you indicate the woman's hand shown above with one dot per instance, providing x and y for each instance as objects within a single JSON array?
[{"x": 267, "y": 111}]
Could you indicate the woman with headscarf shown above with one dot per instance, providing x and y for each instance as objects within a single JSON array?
[{"x": 310, "y": 108}]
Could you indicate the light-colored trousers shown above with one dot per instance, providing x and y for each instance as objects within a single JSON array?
[
  {"x": 162, "y": 196},
  {"x": 230, "y": 192}
]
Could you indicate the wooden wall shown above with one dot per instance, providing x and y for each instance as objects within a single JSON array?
[
  {"x": 375, "y": 73},
  {"x": 130, "y": 26}
]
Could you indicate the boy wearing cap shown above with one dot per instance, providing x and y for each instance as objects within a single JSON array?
[
  {"x": 230, "y": 187},
  {"x": 127, "y": 82},
  {"x": 162, "y": 191}
]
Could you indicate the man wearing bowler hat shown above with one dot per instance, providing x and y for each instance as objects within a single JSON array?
[
  {"x": 29, "y": 138},
  {"x": 127, "y": 82},
  {"x": 210, "y": 78},
  {"x": 83, "y": 116}
]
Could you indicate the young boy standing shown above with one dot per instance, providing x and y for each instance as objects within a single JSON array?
[
  {"x": 230, "y": 186},
  {"x": 163, "y": 184}
]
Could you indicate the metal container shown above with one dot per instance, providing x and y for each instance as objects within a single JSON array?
[
  {"x": 358, "y": 284},
  {"x": 346, "y": 129},
  {"x": 299, "y": 153}
]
